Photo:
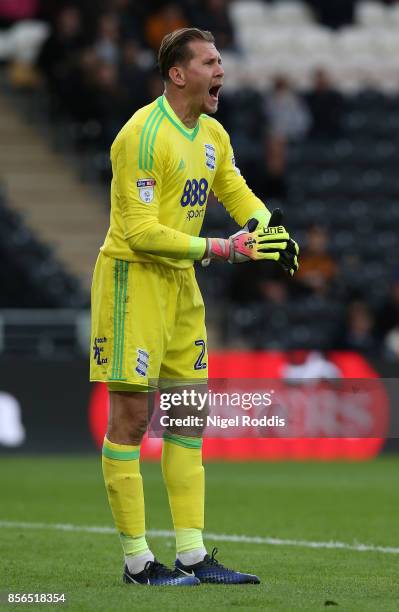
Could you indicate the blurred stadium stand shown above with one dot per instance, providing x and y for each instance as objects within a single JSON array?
[
  {"x": 344, "y": 179},
  {"x": 60, "y": 210},
  {"x": 31, "y": 275}
]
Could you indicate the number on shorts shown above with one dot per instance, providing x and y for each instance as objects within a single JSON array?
[{"x": 199, "y": 364}]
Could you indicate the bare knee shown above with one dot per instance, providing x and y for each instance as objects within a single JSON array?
[{"x": 128, "y": 417}]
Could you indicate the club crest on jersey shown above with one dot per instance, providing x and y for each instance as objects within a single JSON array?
[
  {"x": 142, "y": 362},
  {"x": 210, "y": 156},
  {"x": 146, "y": 190}
]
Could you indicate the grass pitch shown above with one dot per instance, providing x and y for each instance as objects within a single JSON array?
[{"x": 313, "y": 502}]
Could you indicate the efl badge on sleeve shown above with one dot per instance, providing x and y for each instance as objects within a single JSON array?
[
  {"x": 210, "y": 156},
  {"x": 146, "y": 190}
]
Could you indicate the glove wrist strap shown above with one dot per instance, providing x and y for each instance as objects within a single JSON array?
[{"x": 217, "y": 248}]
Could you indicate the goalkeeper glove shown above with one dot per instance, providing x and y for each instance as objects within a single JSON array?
[
  {"x": 289, "y": 258},
  {"x": 255, "y": 243}
]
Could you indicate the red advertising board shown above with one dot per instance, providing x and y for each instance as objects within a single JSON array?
[{"x": 270, "y": 365}]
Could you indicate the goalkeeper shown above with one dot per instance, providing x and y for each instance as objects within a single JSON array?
[{"x": 148, "y": 317}]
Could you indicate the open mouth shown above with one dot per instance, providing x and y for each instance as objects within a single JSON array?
[{"x": 214, "y": 92}]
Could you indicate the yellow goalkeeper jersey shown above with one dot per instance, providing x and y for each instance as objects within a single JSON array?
[{"x": 162, "y": 175}]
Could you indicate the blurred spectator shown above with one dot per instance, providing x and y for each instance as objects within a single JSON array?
[
  {"x": 325, "y": 105},
  {"x": 302, "y": 365},
  {"x": 111, "y": 102},
  {"x": 288, "y": 120},
  {"x": 16, "y": 10},
  {"x": 213, "y": 15},
  {"x": 276, "y": 163},
  {"x": 79, "y": 96},
  {"x": 388, "y": 316},
  {"x": 317, "y": 269},
  {"x": 273, "y": 291},
  {"x": 334, "y": 14},
  {"x": 58, "y": 57},
  {"x": 170, "y": 17},
  {"x": 391, "y": 344},
  {"x": 131, "y": 14},
  {"x": 156, "y": 85},
  {"x": 360, "y": 329},
  {"x": 287, "y": 113},
  {"x": 134, "y": 78},
  {"x": 259, "y": 282},
  {"x": 107, "y": 39}
]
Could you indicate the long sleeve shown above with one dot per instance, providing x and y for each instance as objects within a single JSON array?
[{"x": 140, "y": 200}]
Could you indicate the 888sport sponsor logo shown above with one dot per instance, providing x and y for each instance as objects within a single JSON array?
[{"x": 194, "y": 197}]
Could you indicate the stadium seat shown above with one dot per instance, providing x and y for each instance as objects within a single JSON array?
[
  {"x": 314, "y": 42},
  {"x": 352, "y": 40},
  {"x": 26, "y": 39},
  {"x": 6, "y": 45},
  {"x": 275, "y": 41},
  {"x": 34, "y": 277},
  {"x": 393, "y": 16},
  {"x": 291, "y": 12},
  {"x": 283, "y": 34},
  {"x": 248, "y": 12},
  {"x": 370, "y": 14},
  {"x": 232, "y": 66}
]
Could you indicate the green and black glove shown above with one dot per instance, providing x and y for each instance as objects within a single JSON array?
[
  {"x": 256, "y": 243},
  {"x": 288, "y": 257}
]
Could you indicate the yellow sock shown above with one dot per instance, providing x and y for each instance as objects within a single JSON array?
[
  {"x": 124, "y": 485},
  {"x": 183, "y": 474},
  {"x": 188, "y": 540}
]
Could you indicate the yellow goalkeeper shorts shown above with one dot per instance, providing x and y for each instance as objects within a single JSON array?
[{"x": 148, "y": 323}]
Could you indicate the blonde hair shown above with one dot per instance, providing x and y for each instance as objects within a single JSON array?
[{"x": 175, "y": 49}]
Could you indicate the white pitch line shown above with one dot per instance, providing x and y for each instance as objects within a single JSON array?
[{"x": 216, "y": 537}]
